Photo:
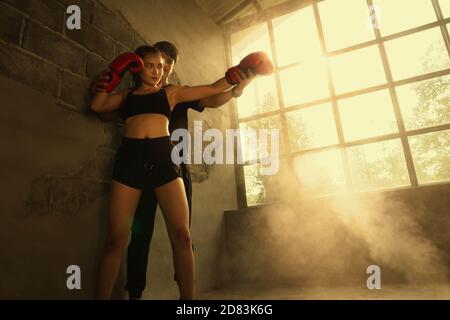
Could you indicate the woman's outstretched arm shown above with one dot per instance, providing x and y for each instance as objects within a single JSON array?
[
  {"x": 222, "y": 98},
  {"x": 182, "y": 94}
]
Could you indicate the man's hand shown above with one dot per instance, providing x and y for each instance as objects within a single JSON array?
[
  {"x": 244, "y": 80},
  {"x": 100, "y": 82}
]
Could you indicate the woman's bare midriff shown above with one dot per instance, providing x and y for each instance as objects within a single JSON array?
[{"x": 146, "y": 126}]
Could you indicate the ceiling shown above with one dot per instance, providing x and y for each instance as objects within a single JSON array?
[{"x": 223, "y": 12}]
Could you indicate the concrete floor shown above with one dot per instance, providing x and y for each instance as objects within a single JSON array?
[{"x": 394, "y": 292}]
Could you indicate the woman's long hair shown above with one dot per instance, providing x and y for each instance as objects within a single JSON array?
[{"x": 142, "y": 51}]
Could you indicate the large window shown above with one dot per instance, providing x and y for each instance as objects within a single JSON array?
[{"x": 360, "y": 93}]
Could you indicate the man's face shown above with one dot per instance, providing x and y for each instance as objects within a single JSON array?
[{"x": 168, "y": 65}]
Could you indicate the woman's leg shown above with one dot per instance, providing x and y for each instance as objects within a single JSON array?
[
  {"x": 188, "y": 189},
  {"x": 172, "y": 201},
  {"x": 186, "y": 175},
  {"x": 123, "y": 204}
]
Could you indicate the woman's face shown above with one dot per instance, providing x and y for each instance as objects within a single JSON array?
[{"x": 153, "y": 69}]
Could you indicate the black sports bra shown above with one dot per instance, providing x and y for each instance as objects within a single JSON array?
[{"x": 135, "y": 104}]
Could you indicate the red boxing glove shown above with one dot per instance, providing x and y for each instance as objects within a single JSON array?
[
  {"x": 258, "y": 62},
  {"x": 128, "y": 61}
]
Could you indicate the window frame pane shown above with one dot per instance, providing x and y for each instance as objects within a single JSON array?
[{"x": 336, "y": 93}]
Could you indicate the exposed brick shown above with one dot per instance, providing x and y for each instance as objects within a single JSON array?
[
  {"x": 70, "y": 195},
  {"x": 39, "y": 196},
  {"x": 113, "y": 135},
  {"x": 86, "y": 7},
  {"x": 95, "y": 65},
  {"x": 199, "y": 172},
  {"x": 93, "y": 40},
  {"x": 48, "y": 12},
  {"x": 121, "y": 49},
  {"x": 112, "y": 24},
  {"x": 173, "y": 79},
  {"x": 100, "y": 167},
  {"x": 63, "y": 196},
  {"x": 54, "y": 47},
  {"x": 75, "y": 90},
  {"x": 11, "y": 24},
  {"x": 28, "y": 69},
  {"x": 138, "y": 41}
]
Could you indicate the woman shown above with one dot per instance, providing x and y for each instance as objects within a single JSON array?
[
  {"x": 144, "y": 159},
  {"x": 144, "y": 218}
]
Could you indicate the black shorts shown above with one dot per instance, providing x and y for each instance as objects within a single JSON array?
[{"x": 144, "y": 163}]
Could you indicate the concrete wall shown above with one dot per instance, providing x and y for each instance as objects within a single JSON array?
[
  {"x": 58, "y": 156},
  {"x": 332, "y": 240}
]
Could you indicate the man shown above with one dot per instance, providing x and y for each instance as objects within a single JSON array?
[{"x": 142, "y": 229}]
